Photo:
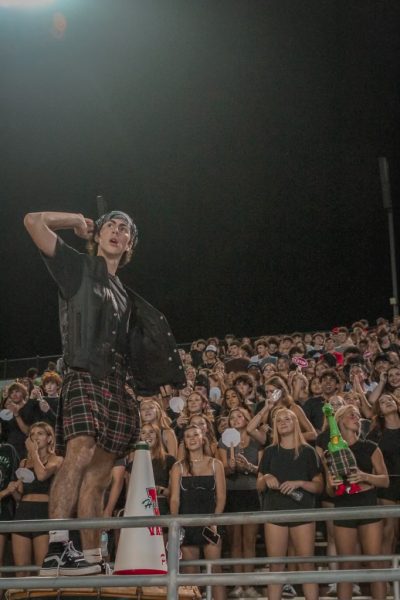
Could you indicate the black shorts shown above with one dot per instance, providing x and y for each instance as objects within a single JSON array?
[
  {"x": 99, "y": 408},
  {"x": 32, "y": 511},
  {"x": 194, "y": 536},
  {"x": 367, "y": 498}
]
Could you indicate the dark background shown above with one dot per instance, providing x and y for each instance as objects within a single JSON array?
[{"x": 242, "y": 135}]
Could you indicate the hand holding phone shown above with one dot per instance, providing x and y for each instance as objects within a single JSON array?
[{"x": 211, "y": 536}]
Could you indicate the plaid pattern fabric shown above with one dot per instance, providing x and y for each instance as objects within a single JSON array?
[
  {"x": 341, "y": 463},
  {"x": 99, "y": 408}
]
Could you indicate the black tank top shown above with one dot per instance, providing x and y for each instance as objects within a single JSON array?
[
  {"x": 36, "y": 486},
  {"x": 197, "y": 493}
]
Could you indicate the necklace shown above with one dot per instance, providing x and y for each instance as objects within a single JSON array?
[{"x": 197, "y": 460}]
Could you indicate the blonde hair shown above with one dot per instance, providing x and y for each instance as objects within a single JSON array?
[
  {"x": 186, "y": 454},
  {"x": 341, "y": 412},
  {"x": 158, "y": 452},
  {"x": 299, "y": 440},
  {"x": 281, "y": 384},
  {"x": 163, "y": 421},
  {"x": 205, "y": 407},
  {"x": 51, "y": 448},
  {"x": 242, "y": 411}
]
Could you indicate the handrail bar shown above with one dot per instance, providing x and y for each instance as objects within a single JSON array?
[
  {"x": 294, "y": 560},
  {"x": 263, "y": 560},
  {"x": 205, "y": 579},
  {"x": 282, "y": 516},
  {"x": 173, "y": 579}
]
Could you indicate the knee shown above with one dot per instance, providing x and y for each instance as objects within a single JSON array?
[{"x": 78, "y": 458}]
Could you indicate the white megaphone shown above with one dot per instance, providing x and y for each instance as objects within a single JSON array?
[{"x": 141, "y": 550}]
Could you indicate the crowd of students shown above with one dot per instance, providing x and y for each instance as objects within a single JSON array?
[{"x": 247, "y": 433}]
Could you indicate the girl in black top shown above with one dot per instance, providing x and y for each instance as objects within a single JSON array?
[
  {"x": 241, "y": 467},
  {"x": 371, "y": 474},
  {"x": 385, "y": 431},
  {"x": 197, "y": 485},
  {"x": 289, "y": 468},
  {"x": 34, "y": 496}
]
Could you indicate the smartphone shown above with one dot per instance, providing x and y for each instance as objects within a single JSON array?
[{"x": 210, "y": 535}]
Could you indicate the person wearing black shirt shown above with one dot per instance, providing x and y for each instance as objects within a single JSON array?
[
  {"x": 371, "y": 474},
  {"x": 385, "y": 431},
  {"x": 289, "y": 478},
  {"x": 105, "y": 329}
]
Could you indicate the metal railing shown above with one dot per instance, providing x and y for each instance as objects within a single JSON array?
[{"x": 174, "y": 578}]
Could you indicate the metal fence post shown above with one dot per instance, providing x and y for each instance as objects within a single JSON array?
[
  {"x": 173, "y": 559},
  {"x": 396, "y": 585},
  {"x": 209, "y": 588}
]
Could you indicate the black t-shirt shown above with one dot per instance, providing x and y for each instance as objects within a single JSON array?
[
  {"x": 13, "y": 435},
  {"x": 161, "y": 472},
  {"x": 32, "y": 413},
  {"x": 388, "y": 441},
  {"x": 323, "y": 438},
  {"x": 66, "y": 268},
  {"x": 285, "y": 466},
  {"x": 363, "y": 451},
  {"x": 313, "y": 410}
]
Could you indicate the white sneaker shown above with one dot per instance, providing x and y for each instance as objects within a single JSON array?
[
  {"x": 332, "y": 589},
  {"x": 250, "y": 592},
  {"x": 356, "y": 589}
]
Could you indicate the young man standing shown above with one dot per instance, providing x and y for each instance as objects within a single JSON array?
[{"x": 105, "y": 329}]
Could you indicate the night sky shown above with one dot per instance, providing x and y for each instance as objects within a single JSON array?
[{"x": 242, "y": 135}]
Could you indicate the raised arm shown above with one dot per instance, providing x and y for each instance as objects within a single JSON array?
[
  {"x": 42, "y": 225},
  {"x": 307, "y": 429}
]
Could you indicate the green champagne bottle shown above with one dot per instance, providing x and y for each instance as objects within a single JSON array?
[{"x": 336, "y": 441}]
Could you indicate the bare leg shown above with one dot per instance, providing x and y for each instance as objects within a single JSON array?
[
  {"x": 303, "y": 538},
  {"x": 40, "y": 547},
  {"x": 213, "y": 552},
  {"x": 330, "y": 538},
  {"x": 249, "y": 533},
  {"x": 276, "y": 542},
  {"x": 22, "y": 552},
  {"x": 94, "y": 483},
  {"x": 235, "y": 539},
  {"x": 346, "y": 544},
  {"x": 190, "y": 553},
  {"x": 67, "y": 482},
  {"x": 371, "y": 543},
  {"x": 390, "y": 527}
]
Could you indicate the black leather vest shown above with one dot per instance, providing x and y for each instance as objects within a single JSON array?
[{"x": 88, "y": 323}]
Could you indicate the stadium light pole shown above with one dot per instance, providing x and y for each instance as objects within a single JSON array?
[{"x": 388, "y": 206}]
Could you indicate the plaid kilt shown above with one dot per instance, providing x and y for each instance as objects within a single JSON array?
[{"x": 98, "y": 408}]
